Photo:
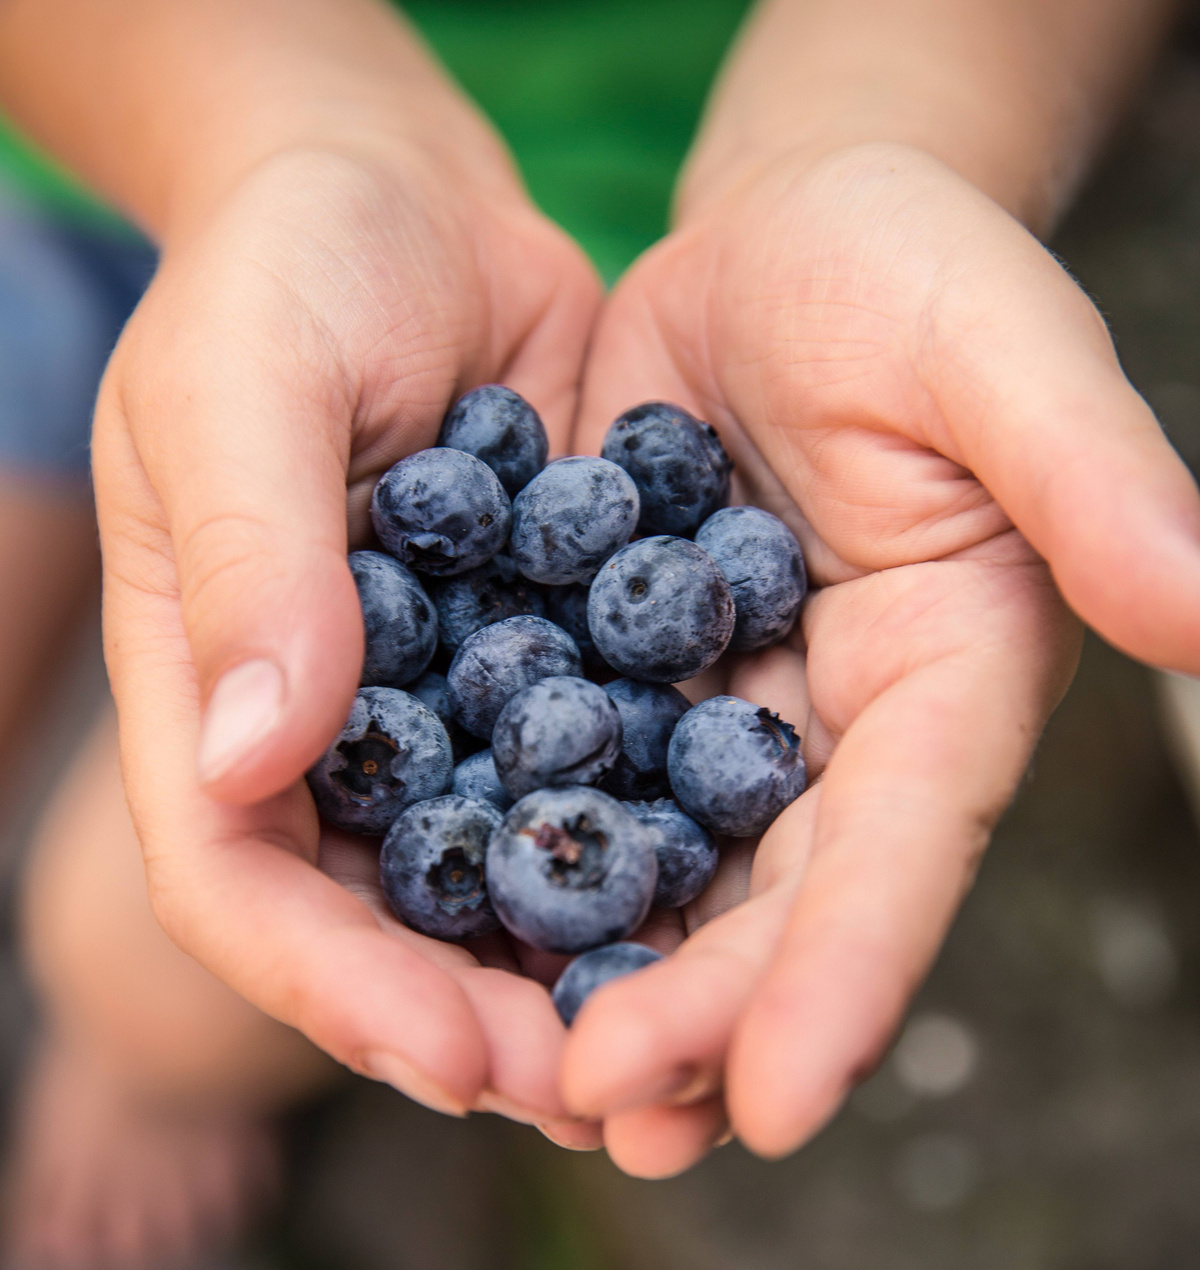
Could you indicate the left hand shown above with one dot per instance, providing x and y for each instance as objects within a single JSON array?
[{"x": 903, "y": 374}]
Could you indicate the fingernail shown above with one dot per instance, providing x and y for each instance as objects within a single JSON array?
[
  {"x": 725, "y": 1139},
  {"x": 393, "y": 1070},
  {"x": 500, "y": 1105},
  {"x": 585, "y": 1136},
  {"x": 244, "y": 706}
]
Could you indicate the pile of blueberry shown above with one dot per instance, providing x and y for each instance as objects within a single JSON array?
[{"x": 567, "y": 599}]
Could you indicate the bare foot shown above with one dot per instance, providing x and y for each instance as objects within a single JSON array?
[{"x": 98, "y": 1181}]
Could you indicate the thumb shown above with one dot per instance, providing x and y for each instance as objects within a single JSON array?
[
  {"x": 222, "y": 485},
  {"x": 1040, "y": 410}
]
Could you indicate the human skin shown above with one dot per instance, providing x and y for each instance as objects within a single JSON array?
[
  {"x": 849, "y": 294},
  {"x": 852, "y": 293},
  {"x": 345, "y": 249}
]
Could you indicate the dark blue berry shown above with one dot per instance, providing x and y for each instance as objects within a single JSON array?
[
  {"x": 660, "y": 610},
  {"x": 566, "y": 606},
  {"x": 432, "y": 867},
  {"x": 400, "y": 623},
  {"x": 649, "y": 713},
  {"x": 433, "y": 690},
  {"x": 476, "y": 777},
  {"x": 678, "y": 464},
  {"x": 481, "y": 596},
  {"x": 593, "y": 969},
  {"x": 495, "y": 663},
  {"x": 393, "y": 752},
  {"x": 441, "y": 511},
  {"x": 686, "y": 851},
  {"x": 570, "y": 869},
  {"x": 761, "y": 561},
  {"x": 558, "y": 731},
  {"x": 735, "y": 766},
  {"x": 500, "y": 427},
  {"x": 570, "y": 518}
]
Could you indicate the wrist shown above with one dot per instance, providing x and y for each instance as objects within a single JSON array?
[
  {"x": 164, "y": 106},
  {"x": 1013, "y": 95}
]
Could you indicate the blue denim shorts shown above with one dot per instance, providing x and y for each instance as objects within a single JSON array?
[{"x": 66, "y": 290}]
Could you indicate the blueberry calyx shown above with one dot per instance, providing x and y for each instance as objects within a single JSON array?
[
  {"x": 576, "y": 851},
  {"x": 368, "y": 765},
  {"x": 785, "y": 735},
  {"x": 456, "y": 882},
  {"x": 433, "y": 551}
]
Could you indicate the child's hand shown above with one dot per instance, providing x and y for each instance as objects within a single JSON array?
[
  {"x": 904, "y": 374},
  {"x": 299, "y": 338}
]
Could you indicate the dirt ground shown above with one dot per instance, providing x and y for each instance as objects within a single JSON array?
[{"x": 1042, "y": 1108}]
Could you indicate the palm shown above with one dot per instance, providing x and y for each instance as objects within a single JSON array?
[{"x": 834, "y": 329}]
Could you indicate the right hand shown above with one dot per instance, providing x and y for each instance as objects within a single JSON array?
[{"x": 303, "y": 335}]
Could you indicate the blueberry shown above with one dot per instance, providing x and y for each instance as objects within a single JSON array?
[
  {"x": 761, "y": 561},
  {"x": 593, "y": 969},
  {"x": 686, "y": 852},
  {"x": 558, "y": 731},
  {"x": 433, "y": 690},
  {"x": 393, "y": 752},
  {"x": 441, "y": 511},
  {"x": 570, "y": 518},
  {"x": 432, "y": 867},
  {"x": 400, "y": 622},
  {"x": 678, "y": 464},
  {"x": 570, "y": 869},
  {"x": 566, "y": 606},
  {"x": 495, "y": 663},
  {"x": 660, "y": 610},
  {"x": 649, "y": 713},
  {"x": 481, "y": 596},
  {"x": 475, "y": 777},
  {"x": 734, "y": 767},
  {"x": 500, "y": 427}
]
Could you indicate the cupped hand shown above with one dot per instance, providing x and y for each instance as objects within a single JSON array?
[
  {"x": 303, "y": 334},
  {"x": 911, "y": 381}
]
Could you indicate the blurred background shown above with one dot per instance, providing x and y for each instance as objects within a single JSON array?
[{"x": 1042, "y": 1106}]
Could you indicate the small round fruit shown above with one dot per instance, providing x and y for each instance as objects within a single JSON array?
[
  {"x": 475, "y": 777},
  {"x": 660, "y": 610},
  {"x": 570, "y": 518},
  {"x": 570, "y": 869},
  {"x": 441, "y": 511},
  {"x": 592, "y": 970},
  {"x": 500, "y": 427},
  {"x": 393, "y": 752},
  {"x": 479, "y": 597},
  {"x": 400, "y": 623},
  {"x": 677, "y": 462},
  {"x": 558, "y": 731},
  {"x": 686, "y": 852},
  {"x": 649, "y": 713},
  {"x": 762, "y": 562},
  {"x": 735, "y": 766},
  {"x": 432, "y": 867},
  {"x": 495, "y": 663}
]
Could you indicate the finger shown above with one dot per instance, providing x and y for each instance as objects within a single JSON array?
[
  {"x": 908, "y": 800},
  {"x": 662, "y": 1034},
  {"x": 524, "y": 1038},
  {"x": 522, "y": 1032},
  {"x": 237, "y": 888},
  {"x": 659, "y": 1142},
  {"x": 243, "y": 434},
  {"x": 1036, "y": 404}
]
